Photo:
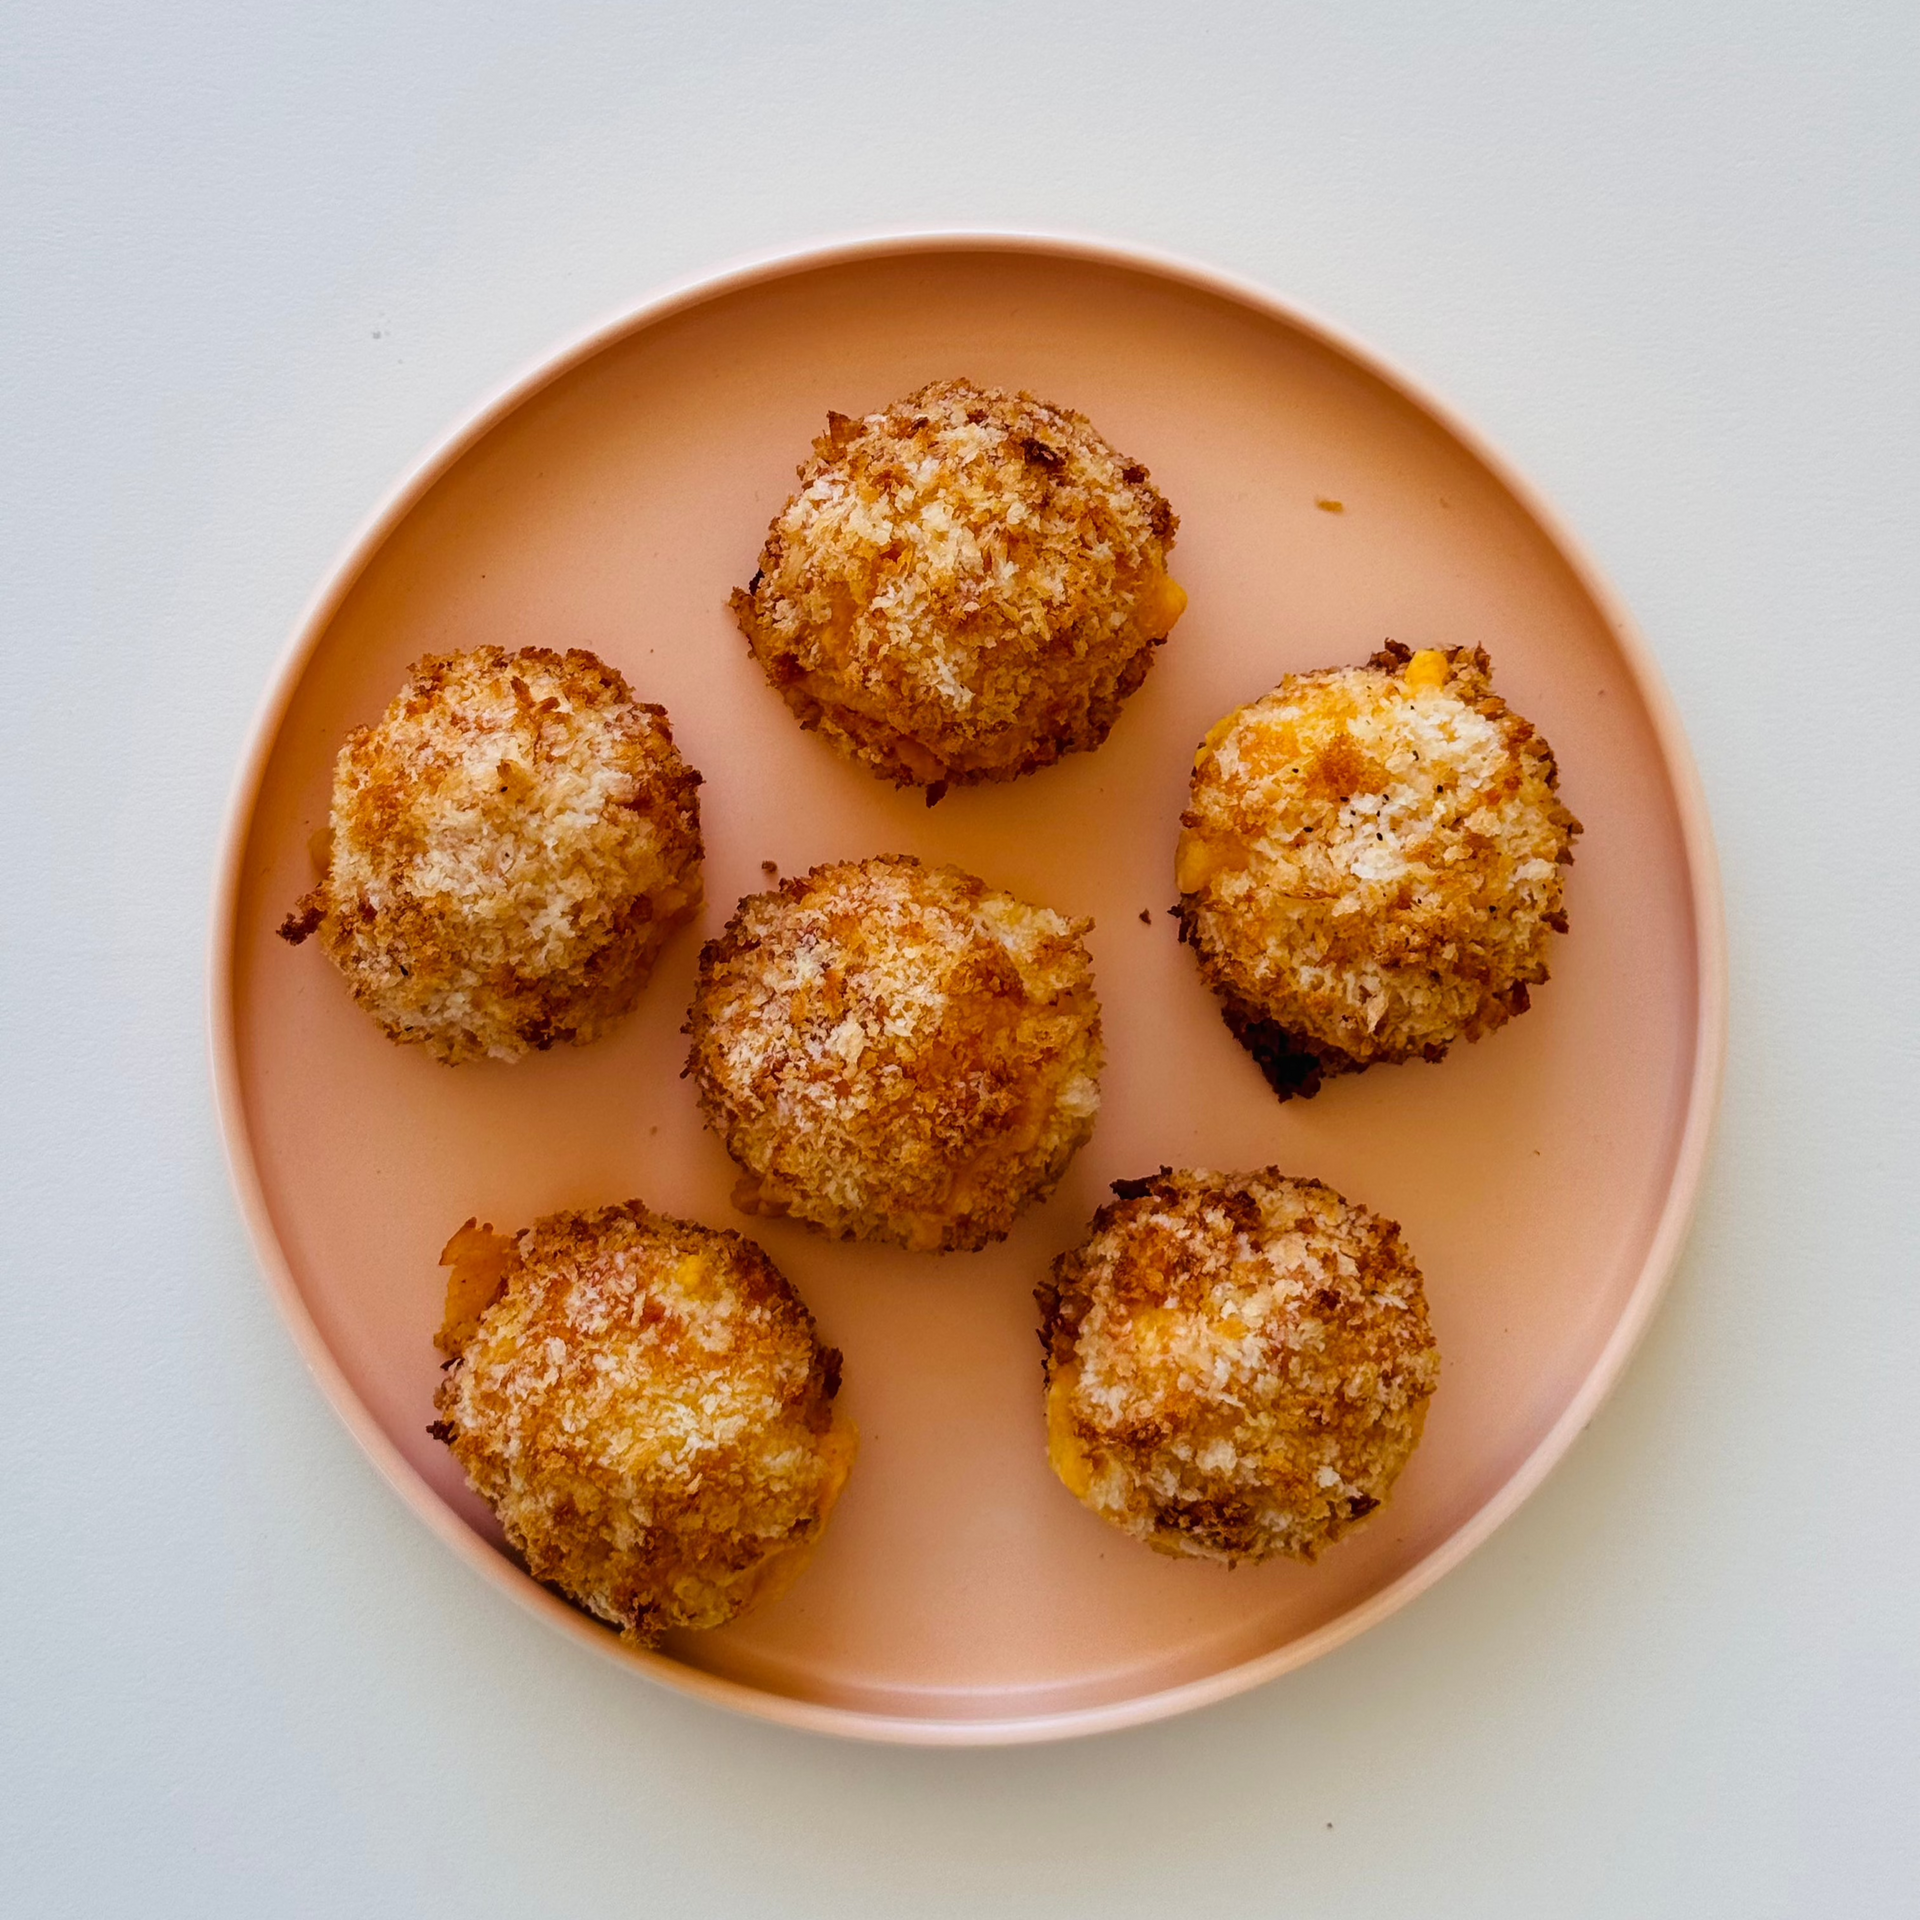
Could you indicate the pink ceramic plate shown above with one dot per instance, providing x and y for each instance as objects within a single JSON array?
[{"x": 1544, "y": 1177}]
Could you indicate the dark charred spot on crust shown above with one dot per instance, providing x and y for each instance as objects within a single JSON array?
[
  {"x": 441, "y": 1430},
  {"x": 1165, "y": 522},
  {"x": 1139, "y": 1189},
  {"x": 1046, "y": 1297},
  {"x": 1394, "y": 654},
  {"x": 1292, "y": 1066},
  {"x": 1360, "y": 1506},
  {"x": 1039, "y": 454},
  {"x": 1133, "y": 473},
  {"x": 302, "y": 922},
  {"x": 1063, "y": 1305},
  {"x": 1227, "y": 1524},
  {"x": 1242, "y": 1209},
  {"x": 759, "y": 579},
  {"x": 936, "y": 793}
]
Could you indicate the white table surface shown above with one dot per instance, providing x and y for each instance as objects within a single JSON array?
[{"x": 258, "y": 258}]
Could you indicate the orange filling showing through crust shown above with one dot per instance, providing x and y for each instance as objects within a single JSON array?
[
  {"x": 1162, "y": 601},
  {"x": 1068, "y": 1456},
  {"x": 782, "y": 1567},
  {"x": 1339, "y": 770},
  {"x": 481, "y": 1261}
]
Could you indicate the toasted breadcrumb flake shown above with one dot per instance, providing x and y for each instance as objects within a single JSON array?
[
  {"x": 1372, "y": 863},
  {"x": 1237, "y": 1365},
  {"x": 965, "y": 586},
  {"x": 646, "y": 1406},
  {"x": 511, "y": 845},
  {"x": 896, "y": 1052}
]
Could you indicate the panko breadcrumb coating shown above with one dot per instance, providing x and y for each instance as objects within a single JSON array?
[
  {"x": 1237, "y": 1365},
  {"x": 1371, "y": 864},
  {"x": 512, "y": 843},
  {"x": 967, "y": 585},
  {"x": 645, "y": 1405},
  {"x": 897, "y": 1052}
]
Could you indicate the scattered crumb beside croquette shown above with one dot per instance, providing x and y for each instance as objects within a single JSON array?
[
  {"x": 1372, "y": 863},
  {"x": 1237, "y": 1365},
  {"x": 645, "y": 1405},
  {"x": 511, "y": 844},
  {"x": 966, "y": 585},
  {"x": 896, "y": 1052}
]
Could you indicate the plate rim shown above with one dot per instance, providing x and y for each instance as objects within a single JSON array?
[{"x": 1691, "y": 1154}]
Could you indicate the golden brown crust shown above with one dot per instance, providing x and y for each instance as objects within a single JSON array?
[
  {"x": 1237, "y": 1365},
  {"x": 896, "y": 1052},
  {"x": 512, "y": 843},
  {"x": 966, "y": 585},
  {"x": 1372, "y": 863},
  {"x": 645, "y": 1405}
]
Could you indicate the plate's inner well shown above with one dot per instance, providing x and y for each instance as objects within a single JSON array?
[{"x": 1320, "y": 514}]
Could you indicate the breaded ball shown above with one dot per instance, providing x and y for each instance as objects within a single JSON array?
[
  {"x": 1237, "y": 1365},
  {"x": 1372, "y": 862},
  {"x": 967, "y": 585},
  {"x": 897, "y": 1052},
  {"x": 512, "y": 842},
  {"x": 645, "y": 1405}
]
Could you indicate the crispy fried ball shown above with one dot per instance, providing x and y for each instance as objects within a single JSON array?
[
  {"x": 1371, "y": 864},
  {"x": 897, "y": 1052},
  {"x": 512, "y": 843},
  {"x": 645, "y": 1405},
  {"x": 1237, "y": 1365},
  {"x": 966, "y": 586}
]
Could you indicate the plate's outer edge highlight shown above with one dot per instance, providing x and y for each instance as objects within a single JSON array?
[{"x": 1690, "y": 1158}]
